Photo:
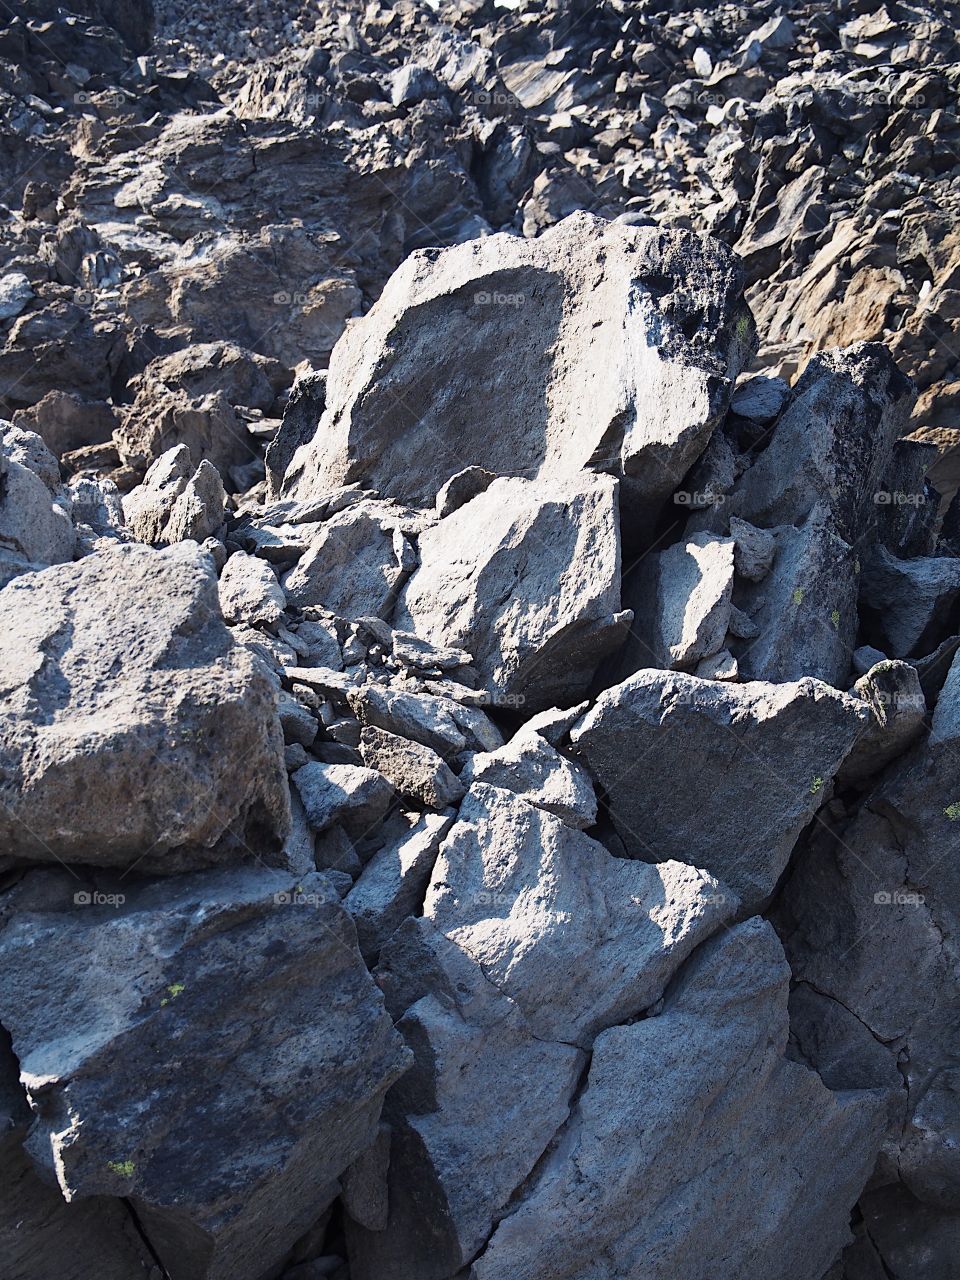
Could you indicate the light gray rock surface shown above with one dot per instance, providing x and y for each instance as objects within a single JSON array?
[
  {"x": 602, "y": 312},
  {"x": 119, "y": 681},
  {"x": 531, "y": 767},
  {"x": 680, "y": 600},
  {"x": 249, "y": 591},
  {"x": 526, "y": 578},
  {"x": 686, "y": 1112},
  {"x": 578, "y": 938}
]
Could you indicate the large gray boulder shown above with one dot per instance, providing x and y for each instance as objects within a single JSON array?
[
  {"x": 526, "y": 577},
  {"x": 631, "y": 338},
  {"x": 209, "y": 1048},
  {"x": 36, "y": 525},
  {"x": 724, "y": 776},
  {"x": 132, "y": 729},
  {"x": 868, "y": 920},
  {"x": 578, "y": 938},
  {"x": 465, "y": 1136},
  {"x": 696, "y": 1140}
]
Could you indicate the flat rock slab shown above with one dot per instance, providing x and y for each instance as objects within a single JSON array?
[
  {"x": 695, "y": 1138},
  {"x": 132, "y": 728},
  {"x": 211, "y": 1048},
  {"x": 723, "y": 776},
  {"x": 601, "y": 311},
  {"x": 526, "y": 577}
]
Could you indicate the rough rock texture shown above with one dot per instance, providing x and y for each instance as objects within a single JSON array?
[
  {"x": 661, "y": 746},
  {"x": 659, "y": 314},
  {"x": 546, "y": 411},
  {"x": 160, "y": 980},
  {"x": 525, "y": 577},
  {"x": 120, "y": 681}
]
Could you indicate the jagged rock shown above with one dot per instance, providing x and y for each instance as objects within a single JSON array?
[
  {"x": 414, "y": 770},
  {"x": 301, "y": 417},
  {"x": 674, "y": 734},
  {"x": 753, "y": 550},
  {"x": 681, "y": 604},
  {"x": 176, "y": 501},
  {"x": 120, "y": 681},
  {"x": 912, "y": 605},
  {"x": 64, "y": 421},
  {"x": 392, "y": 885},
  {"x": 803, "y": 614},
  {"x": 535, "y": 770},
  {"x": 832, "y": 445},
  {"x": 354, "y": 564},
  {"x": 886, "y": 885},
  {"x": 351, "y": 795},
  {"x": 154, "y": 985},
  {"x": 460, "y": 488},
  {"x": 685, "y": 1111},
  {"x": 160, "y": 419},
  {"x": 439, "y": 723},
  {"x": 555, "y": 547},
  {"x": 15, "y": 294},
  {"x": 36, "y": 526},
  {"x": 893, "y": 692},
  {"x": 579, "y": 939},
  {"x": 249, "y": 591},
  {"x": 631, "y": 337},
  {"x": 464, "y": 1135},
  {"x": 364, "y": 1184}
]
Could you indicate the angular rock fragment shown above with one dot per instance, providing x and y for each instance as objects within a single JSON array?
[
  {"x": 464, "y": 1135},
  {"x": 682, "y": 1112},
  {"x": 439, "y": 723},
  {"x": 392, "y": 885},
  {"x": 156, "y": 987},
  {"x": 535, "y": 770},
  {"x": 36, "y": 526},
  {"x": 119, "y": 681},
  {"x": 175, "y": 501},
  {"x": 348, "y": 794},
  {"x": 249, "y": 591},
  {"x": 414, "y": 770},
  {"x": 722, "y": 776},
  {"x": 632, "y": 339},
  {"x": 526, "y": 578},
  {"x": 577, "y": 938},
  {"x": 884, "y": 886},
  {"x": 892, "y": 691},
  {"x": 911, "y": 606},
  {"x": 354, "y": 564},
  {"x": 681, "y": 604}
]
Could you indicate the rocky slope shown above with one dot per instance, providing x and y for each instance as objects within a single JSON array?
[{"x": 479, "y": 600}]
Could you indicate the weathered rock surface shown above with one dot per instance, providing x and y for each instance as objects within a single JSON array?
[
  {"x": 661, "y": 747},
  {"x": 650, "y": 1153},
  {"x": 121, "y": 682},
  {"x": 659, "y": 314},
  {"x": 160, "y": 980},
  {"x": 526, "y": 578}
]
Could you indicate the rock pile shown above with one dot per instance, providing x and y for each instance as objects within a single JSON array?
[{"x": 479, "y": 693}]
